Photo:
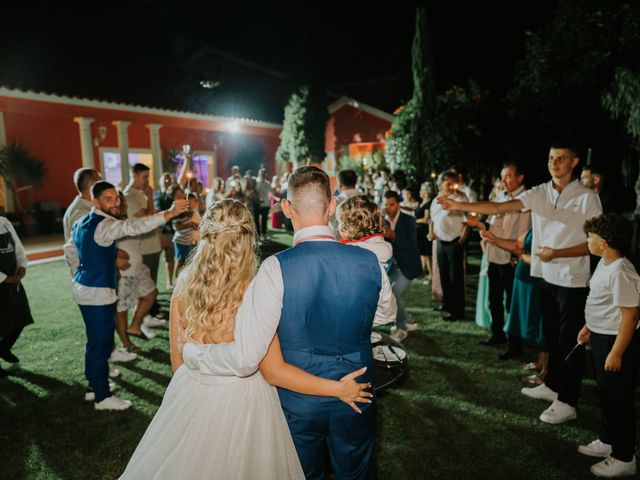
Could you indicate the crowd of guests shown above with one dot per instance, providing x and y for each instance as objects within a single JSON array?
[{"x": 541, "y": 284}]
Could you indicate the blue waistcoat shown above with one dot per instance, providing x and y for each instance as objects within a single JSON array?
[
  {"x": 331, "y": 294},
  {"x": 97, "y": 264}
]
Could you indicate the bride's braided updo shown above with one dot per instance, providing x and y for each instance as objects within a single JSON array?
[{"x": 219, "y": 269}]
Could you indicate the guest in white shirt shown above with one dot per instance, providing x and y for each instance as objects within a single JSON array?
[
  {"x": 501, "y": 268},
  {"x": 261, "y": 212},
  {"x": 560, "y": 257},
  {"x": 13, "y": 300},
  {"x": 611, "y": 328},
  {"x": 451, "y": 231},
  {"x": 83, "y": 179},
  {"x": 139, "y": 195},
  {"x": 347, "y": 180},
  {"x": 91, "y": 256},
  {"x": 135, "y": 290},
  {"x": 462, "y": 186}
]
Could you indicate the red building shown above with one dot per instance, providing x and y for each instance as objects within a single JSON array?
[
  {"x": 68, "y": 133},
  {"x": 354, "y": 129}
]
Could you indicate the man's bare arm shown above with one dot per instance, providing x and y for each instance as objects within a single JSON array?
[{"x": 484, "y": 208}]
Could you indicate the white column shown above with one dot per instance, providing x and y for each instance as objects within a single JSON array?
[
  {"x": 8, "y": 198},
  {"x": 86, "y": 142},
  {"x": 123, "y": 146},
  {"x": 156, "y": 152}
]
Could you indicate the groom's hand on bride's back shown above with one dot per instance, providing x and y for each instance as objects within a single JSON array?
[{"x": 353, "y": 392}]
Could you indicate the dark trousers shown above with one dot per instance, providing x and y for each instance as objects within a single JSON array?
[
  {"x": 617, "y": 395},
  {"x": 152, "y": 261},
  {"x": 8, "y": 341},
  {"x": 349, "y": 441},
  {"x": 500, "y": 282},
  {"x": 451, "y": 266},
  {"x": 100, "y": 323},
  {"x": 260, "y": 216},
  {"x": 562, "y": 319}
]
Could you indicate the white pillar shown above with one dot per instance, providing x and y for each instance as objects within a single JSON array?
[
  {"x": 156, "y": 152},
  {"x": 8, "y": 198},
  {"x": 86, "y": 142},
  {"x": 123, "y": 146}
]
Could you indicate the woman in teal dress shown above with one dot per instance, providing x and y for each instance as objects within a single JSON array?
[{"x": 525, "y": 315}]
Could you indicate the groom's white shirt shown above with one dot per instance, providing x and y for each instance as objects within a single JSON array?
[{"x": 259, "y": 315}]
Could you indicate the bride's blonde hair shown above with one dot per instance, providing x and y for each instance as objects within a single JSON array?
[{"x": 218, "y": 271}]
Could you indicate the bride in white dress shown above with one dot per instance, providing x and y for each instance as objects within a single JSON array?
[{"x": 214, "y": 427}]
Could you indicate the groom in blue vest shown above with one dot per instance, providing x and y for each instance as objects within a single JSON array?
[{"x": 322, "y": 297}]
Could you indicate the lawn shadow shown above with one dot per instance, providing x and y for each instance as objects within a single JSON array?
[{"x": 41, "y": 441}]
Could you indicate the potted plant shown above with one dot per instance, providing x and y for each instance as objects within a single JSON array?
[{"x": 22, "y": 172}]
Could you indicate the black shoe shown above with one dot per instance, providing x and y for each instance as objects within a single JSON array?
[
  {"x": 509, "y": 353},
  {"x": 450, "y": 317},
  {"x": 9, "y": 357},
  {"x": 493, "y": 340},
  {"x": 439, "y": 308}
]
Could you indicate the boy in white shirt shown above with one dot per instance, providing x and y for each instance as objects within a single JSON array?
[{"x": 611, "y": 316}]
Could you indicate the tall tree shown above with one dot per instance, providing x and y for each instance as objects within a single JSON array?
[
  {"x": 406, "y": 146},
  {"x": 302, "y": 137}
]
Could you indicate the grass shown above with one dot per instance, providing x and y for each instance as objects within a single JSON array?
[{"x": 458, "y": 415}]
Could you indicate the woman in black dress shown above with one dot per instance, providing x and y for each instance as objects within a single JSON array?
[
  {"x": 423, "y": 218},
  {"x": 13, "y": 300}
]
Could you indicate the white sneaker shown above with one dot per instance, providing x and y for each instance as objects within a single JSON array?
[
  {"x": 596, "y": 449},
  {"x": 153, "y": 322},
  {"x": 90, "y": 395},
  {"x": 541, "y": 392},
  {"x": 411, "y": 327},
  {"x": 114, "y": 372},
  {"x": 558, "y": 412},
  {"x": 148, "y": 332},
  {"x": 399, "y": 335},
  {"x": 112, "y": 403},
  {"x": 122, "y": 356},
  {"x": 612, "y": 467}
]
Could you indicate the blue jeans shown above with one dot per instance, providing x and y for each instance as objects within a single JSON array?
[
  {"x": 399, "y": 285},
  {"x": 100, "y": 323}
]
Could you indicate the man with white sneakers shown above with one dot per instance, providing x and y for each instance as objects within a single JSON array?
[
  {"x": 560, "y": 256},
  {"x": 91, "y": 255}
]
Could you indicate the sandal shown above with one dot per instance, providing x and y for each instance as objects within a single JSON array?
[
  {"x": 133, "y": 349},
  {"x": 529, "y": 366},
  {"x": 140, "y": 335},
  {"x": 533, "y": 380}
]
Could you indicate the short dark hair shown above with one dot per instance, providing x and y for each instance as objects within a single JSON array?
[
  {"x": 515, "y": 165},
  {"x": 613, "y": 228},
  {"x": 139, "y": 167},
  {"x": 460, "y": 169},
  {"x": 310, "y": 176},
  {"x": 392, "y": 194},
  {"x": 82, "y": 177},
  {"x": 100, "y": 187},
  {"x": 567, "y": 144},
  {"x": 449, "y": 174},
  {"x": 348, "y": 178}
]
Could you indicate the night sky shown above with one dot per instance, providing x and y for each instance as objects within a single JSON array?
[{"x": 135, "y": 52}]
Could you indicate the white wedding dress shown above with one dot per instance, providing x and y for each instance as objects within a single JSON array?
[{"x": 214, "y": 427}]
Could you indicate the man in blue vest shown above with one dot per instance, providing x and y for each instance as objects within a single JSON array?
[
  {"x": 91, "y": 255},
  {"x": 322, "y": 297}
]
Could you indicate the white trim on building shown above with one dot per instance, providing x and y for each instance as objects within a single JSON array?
[
  {"x": 84, "y": 102},
  {"x": 344, "y": 101}
]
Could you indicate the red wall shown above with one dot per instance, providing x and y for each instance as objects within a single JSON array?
[
  {"x": 48, "y": 132},
  {"x": 346, "y": 124}
]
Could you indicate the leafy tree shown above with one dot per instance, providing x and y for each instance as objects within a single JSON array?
[
  {"x": 559, "y": 83},
  {"x": 302, "y": 137},
  {"x": 406, "y": 146},
  {"x": 21, "y": 170}
]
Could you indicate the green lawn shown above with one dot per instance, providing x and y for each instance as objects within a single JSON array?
[{"x": 458, "y": 415}]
